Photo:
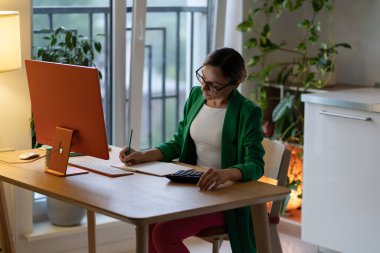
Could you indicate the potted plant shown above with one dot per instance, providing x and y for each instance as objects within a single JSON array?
[
  {"x": 65, "y": 46},
  {"x": 303, "y": 62}
]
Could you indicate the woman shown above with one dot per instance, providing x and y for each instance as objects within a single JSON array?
[{"x": 220, "y": 130}]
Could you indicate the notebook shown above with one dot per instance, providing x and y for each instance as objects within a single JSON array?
[{"x": 153, "y": 168}]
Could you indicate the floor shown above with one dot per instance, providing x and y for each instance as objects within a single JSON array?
[
  {"x": 289, "y": 244},
  {"x": 290, "y": 241}
]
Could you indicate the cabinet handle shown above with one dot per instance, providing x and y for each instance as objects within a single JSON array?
[{"x": 345, "y": 116}]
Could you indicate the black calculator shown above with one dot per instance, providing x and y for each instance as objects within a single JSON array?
[{"x": 185, "y": 176}]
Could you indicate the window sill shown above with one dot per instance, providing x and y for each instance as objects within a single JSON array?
[{"x": 45, "y": 230}]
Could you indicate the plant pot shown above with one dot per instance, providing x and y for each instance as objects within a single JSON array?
[{"x": 64, "y": 214}]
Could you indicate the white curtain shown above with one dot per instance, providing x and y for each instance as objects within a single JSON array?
[{"x": 234, "y": 16}]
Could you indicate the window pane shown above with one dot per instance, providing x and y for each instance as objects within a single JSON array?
[
  {"x": 91, "y": 3},
  {"x": 175, "y": 45},
  {"x": 90, "y": 18}
]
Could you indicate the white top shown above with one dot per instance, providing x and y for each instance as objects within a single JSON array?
[{"x": 206, "y": 131}]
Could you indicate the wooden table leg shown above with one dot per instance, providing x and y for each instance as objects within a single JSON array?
[
  {"x": 142, "y": 235},
  {"x": 7, "y": 242},
  {"x": 91, "y": 224},
  {"x": 261, "y": 228}
]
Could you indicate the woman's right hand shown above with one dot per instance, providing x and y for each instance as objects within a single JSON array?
[
  {"x": 136, "y": 157},
  {"x": 131, "y": 157}
]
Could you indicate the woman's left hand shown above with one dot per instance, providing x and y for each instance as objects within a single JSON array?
[{"x": 212, "y": 178}]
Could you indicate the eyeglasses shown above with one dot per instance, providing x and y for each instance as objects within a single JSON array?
[{"x": 213, "y": 86}]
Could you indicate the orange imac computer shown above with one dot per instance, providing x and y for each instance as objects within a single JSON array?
[{"x": 67, "y": 111}]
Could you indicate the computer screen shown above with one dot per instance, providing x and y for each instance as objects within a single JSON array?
[{"x": 67, "y": 110}]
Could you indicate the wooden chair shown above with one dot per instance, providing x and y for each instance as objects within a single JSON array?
[{"x": 277, "y": 159}]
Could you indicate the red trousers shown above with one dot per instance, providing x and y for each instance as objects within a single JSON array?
[{"x": 167, "y": 237}]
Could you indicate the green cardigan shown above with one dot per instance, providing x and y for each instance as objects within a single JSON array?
[{"x": 241, "y": 149}]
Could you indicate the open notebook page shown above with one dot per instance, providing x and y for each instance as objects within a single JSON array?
[{"x": 153, "y": 168}]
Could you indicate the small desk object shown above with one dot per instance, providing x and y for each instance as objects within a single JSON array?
[{"x": 131, "y": 199}]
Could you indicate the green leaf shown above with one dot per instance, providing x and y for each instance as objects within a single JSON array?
[
  {"x": 98, "y": 46},
  {"x": 278, "y": 128},
  {"x": 251, "y": 43},
  {"x": 293, "y": 187},
  {"x": 68, "y": 40},
  {"x": 317, "y": 26},
  {"x": 301, "y": 46},
  {"x": 85, "y": 46},
  {"x": 59, "y": 30},
  {"x": 304, "y": 24},
  {"x": 318, "y": 5},
  {"x": 313, "y": 39},
  {"x": 40, "y": 52},
  {"x": 309, "y": 79},
  {"x": 266, "y": 45},
  {"x": 298, "y": 4},
  {"x": 283, "y": 108},
  {"x": 53, "y": 41},
  {"x": 74, "y": 41},
  {"x": 288, "y": 5},
  {"x": 100, "y": 75},
  {"x": 253, "y": 61},
  {"x": 266, "y": 31},
  {"x": 245, "y": 26}
]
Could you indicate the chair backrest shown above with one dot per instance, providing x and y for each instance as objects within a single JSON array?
[{"x": 277, "y": 159}]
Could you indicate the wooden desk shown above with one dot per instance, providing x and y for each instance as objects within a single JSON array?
[{"x": 142, "y": 199}]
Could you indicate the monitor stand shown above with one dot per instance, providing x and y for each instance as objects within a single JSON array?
[{"x": 58, "y": 164}]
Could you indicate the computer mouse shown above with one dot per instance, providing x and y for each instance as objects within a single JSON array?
[{"x": 28, "y": 156}]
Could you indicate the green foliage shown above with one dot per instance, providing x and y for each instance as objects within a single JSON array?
[
  {"x": 308, "y": 63},
  {"x": 65, "y": 46},
  {"x": 33, "y": 133},
  {"x": 288, "y": 119}
]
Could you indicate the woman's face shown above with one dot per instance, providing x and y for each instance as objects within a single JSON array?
[{"x": 213, "y": 76}]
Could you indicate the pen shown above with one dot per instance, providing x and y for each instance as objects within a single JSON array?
[{"x": 130, "y": 140}]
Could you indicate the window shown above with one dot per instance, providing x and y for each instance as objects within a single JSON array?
[
  {"x": 177, "y": 39},
  {"x": 176, "y": 42}
]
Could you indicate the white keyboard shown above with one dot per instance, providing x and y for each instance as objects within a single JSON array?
[{"x": 99, "y": 168}]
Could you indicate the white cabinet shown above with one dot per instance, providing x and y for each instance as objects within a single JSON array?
[{"x": 341, "y": 192}]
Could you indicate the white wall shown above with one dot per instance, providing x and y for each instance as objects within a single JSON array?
[
  {"x": 356, "y": 22},
  {"x": 14, "y": 96}
]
